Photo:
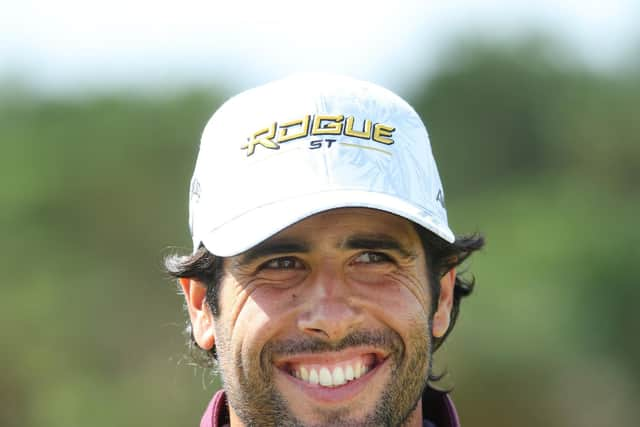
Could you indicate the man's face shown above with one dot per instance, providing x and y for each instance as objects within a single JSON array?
[{"x": 327, "y": 323}]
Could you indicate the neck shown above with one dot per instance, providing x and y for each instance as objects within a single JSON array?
[
  {"x": 233, "y": 418},
  {"x": 414, "y": 420}
]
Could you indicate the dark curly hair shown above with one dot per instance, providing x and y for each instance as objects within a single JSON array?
[{"x": 441, "y": 257}]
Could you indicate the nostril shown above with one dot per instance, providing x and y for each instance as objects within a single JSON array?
[
  {"x": 330, "y": 319},
  {"x": 318, "y": 331}
]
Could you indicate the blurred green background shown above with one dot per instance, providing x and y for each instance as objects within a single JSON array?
[{"x": 540, "y": 155}]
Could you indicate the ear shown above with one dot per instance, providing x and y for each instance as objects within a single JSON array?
[
  {"x": 442, "y": 316},
  {"x": 202, "y": 321}
]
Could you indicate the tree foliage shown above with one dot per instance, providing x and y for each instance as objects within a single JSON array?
[{"x": 541, "y": 155}]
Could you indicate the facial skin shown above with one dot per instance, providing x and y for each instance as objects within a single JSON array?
[{"x": 342, "y": 299}]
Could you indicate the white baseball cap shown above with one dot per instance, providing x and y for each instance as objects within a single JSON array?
[{"x": 281, "y": 152}]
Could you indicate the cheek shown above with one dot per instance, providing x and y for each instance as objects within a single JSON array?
[
  {"x": 406, "y": 291},
  {"x": 402, "y": 302},
  {"x": 259, "y": 318}
]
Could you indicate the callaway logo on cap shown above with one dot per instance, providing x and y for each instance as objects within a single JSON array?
[{"x": 278, "y": 153}]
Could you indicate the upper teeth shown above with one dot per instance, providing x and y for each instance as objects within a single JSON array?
[{"x": 331, "y": 376}]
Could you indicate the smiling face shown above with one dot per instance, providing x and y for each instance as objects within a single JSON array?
[{"x": 327, "y": 322}]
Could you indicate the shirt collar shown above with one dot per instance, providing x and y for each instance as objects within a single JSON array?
[{"x": 437, "y": 407}]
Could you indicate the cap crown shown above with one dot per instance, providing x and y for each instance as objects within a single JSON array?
[{"x": 278, "y": 153}]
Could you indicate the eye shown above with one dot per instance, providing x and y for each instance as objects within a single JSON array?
[
  {"x": 282, "y": 272},
  {"x": 372, "y": 258},
  {"x": 283, "y": 263}
]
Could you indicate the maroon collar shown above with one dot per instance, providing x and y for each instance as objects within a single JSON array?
[{"x": 437, "y": 406}]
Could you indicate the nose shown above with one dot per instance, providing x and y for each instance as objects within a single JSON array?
[{"x": 330, "y": 311}]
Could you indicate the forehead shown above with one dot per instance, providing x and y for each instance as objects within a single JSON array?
[
  {"x": 351, "y": 218},
  {"x": 336, "y": 227}
]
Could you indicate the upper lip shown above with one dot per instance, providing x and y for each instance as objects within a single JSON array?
[{"x": 330, "y": 357}]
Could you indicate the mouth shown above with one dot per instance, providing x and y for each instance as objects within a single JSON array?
[
  {"x": 332, "y": 377},
  {"x": 332, "y": 373}
]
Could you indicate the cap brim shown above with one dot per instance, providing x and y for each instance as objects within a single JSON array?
[{"x": 247, "y": 230}]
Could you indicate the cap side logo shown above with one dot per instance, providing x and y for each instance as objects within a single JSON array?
[
  {"x": 195, "y": 190},
  {"x": 314, "y": 125},
  {"x": 440, "y": 198}
]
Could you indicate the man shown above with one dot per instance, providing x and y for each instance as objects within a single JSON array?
[{"x": 323, "y": 272}]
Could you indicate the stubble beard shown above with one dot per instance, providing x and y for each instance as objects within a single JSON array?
[{"x": 255, "y": 399}]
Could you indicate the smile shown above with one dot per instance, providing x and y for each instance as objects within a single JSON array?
[{"x": 331, "y": 370}]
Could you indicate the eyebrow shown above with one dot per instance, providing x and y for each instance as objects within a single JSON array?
[
  {"x": 377, "y": 242},
  {"x": 368, "y": 241},
  {"x": 274, "y": 247}
]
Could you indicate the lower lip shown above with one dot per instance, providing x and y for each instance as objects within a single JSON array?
[{"x": 337, "y": 394}]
